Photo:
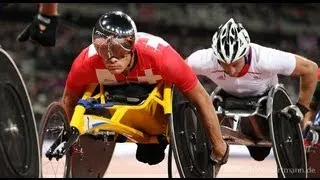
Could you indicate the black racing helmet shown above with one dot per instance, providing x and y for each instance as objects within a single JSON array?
[{"x": 114, "y": 35}]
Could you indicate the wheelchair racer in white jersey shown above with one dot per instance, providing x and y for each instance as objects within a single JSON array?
[{"x": 245, "y": 69}]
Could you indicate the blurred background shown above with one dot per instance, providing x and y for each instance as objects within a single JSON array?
[{"x": 187, "y": 27}]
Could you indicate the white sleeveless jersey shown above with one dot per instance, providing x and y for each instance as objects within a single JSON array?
[{"x": 266, "y": 63}]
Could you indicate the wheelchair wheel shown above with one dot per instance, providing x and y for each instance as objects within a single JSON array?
[
  {"x": 95, "y": 158},
  {"x": 172, "y": 165},
  {"x": 286, "y": 136},
  {"x": 19, "y": 145},
  {"x": 190, "y": 144},
  {"x": 54, "y": 122}
]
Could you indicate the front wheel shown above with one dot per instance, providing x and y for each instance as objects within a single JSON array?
[{"x": 54, "y": 123}]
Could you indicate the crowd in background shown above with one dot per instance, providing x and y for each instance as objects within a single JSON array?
[{"x": 45, "y": 69}]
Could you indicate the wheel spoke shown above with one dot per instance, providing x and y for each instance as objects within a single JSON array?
[{"x": 53, "y": 123}]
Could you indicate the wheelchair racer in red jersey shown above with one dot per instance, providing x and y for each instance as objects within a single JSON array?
[{"x": 120, "y": 55}]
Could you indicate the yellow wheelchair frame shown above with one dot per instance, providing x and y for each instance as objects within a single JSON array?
[
  {"x": 148, "y": 122},
  {"x": 135, "y": 115}
]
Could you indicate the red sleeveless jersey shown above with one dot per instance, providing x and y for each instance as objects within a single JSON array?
[{"x": 157, "y": 61}]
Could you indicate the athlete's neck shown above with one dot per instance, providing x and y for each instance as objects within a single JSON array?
[{"x": 246, "y": 65}]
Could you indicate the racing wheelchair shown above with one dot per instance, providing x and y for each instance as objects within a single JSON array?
[
  {"x": 19, "y": 145},
  {"x": 312, "y": 144},
  {"x": 260, "y": 124},
  {"x": 101, "y": 119}
]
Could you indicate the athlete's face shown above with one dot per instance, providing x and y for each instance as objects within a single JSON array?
[
  {"x": 234, "y": 68},
  {"x": 117, "y": 65},
  {"x": 115, "y": 53}
]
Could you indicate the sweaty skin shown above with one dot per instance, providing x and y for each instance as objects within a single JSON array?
[
  {"x": 69, "y": 100},
  {"x": 307, "y": 71},
  {"x": 202, "y": 100}
]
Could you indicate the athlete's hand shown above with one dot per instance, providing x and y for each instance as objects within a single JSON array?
[
  {"x": 295, "y": 112},
  {"x": 42, "y": 30}
]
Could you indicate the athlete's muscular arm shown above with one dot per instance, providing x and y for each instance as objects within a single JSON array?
[
  {"x": 69, "y": 101},
  {"x": 176, "y": 70},
  {"x": 198, "y": 64},
  {"x": 75, "y": 84},
  {"x": 307, "y": 71},
  {"x": 289, "y": 64},
  {"x": 202, "y": 100}
]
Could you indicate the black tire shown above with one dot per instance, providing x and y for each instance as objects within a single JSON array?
[
  {"x": 53, "y": 122},
  {"x": 287, "y": 139},
  {"x": 19, "y": 147},
  {"x": 190, "y": 144}
]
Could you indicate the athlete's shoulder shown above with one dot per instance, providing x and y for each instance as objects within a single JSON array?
[
  {"x": 140, "y": 36},
  {"x": 202, "y": 53},
  {"x": 272, "y": 60},
  {"x": 259, "y": 49},
  {"x": 260, "y": 55},
  {"x": 153, "y": 48},
  {"x": 150, "y": 43},
  {"x": 91, "y": 51},
  {"x": 201, "y": 57},
  {"x": 265, "y": 50},
  {"x": 88, "y": 53},
  {"x": 87, "y": 57}
]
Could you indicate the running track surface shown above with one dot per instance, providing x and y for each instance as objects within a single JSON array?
[{"x": 239, "y": 165}]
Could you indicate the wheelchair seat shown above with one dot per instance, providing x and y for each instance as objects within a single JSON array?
[
  {"x": 128, "y": 94},
  {"x": 232, "y": 106}
]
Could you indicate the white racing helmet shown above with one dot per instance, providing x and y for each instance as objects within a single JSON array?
[{"x": 230, "y": 42}]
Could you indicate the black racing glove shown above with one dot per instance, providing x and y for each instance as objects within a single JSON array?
[
  {"x": 302, "y": 108},
  {"x": 42, "y": 30},
  {"x": 295, "y": 112}
]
